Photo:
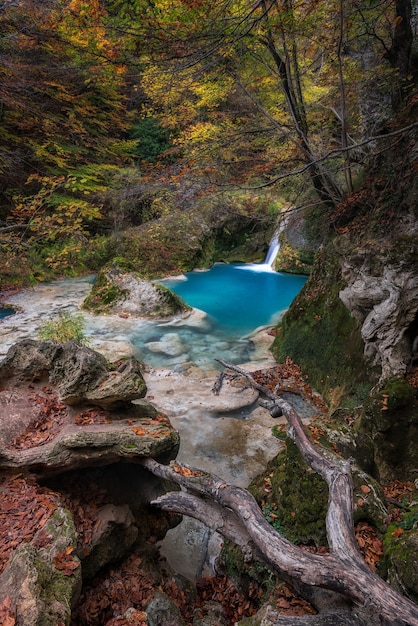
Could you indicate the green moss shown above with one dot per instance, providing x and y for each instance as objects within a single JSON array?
[
  {"x": 172, "y": 300},
  {"x": 390, "y": 421},
  {"x": 298, "y": 497},
  {"x": 104, "y": 295},
  {"x": 319, "y": 334},
  {"x": 400, "y": 561}
]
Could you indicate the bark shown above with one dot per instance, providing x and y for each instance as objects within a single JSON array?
[{"x": 234, "y": 513}]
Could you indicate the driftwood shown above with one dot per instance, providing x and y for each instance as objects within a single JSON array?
[{"x": 234, "y": 513}]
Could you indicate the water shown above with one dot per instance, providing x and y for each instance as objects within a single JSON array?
[
  {"x": 238, "y": 301},
  {"x": 5, "y": 312}
]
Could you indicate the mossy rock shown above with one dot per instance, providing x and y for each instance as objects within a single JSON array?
[
  {"x": 319, "y": 334},
  {"x": 298, "y": 496},
  {"x": 41, "y": 593},
  {"x": 400, "y": 546},
  {"x": 119, "y": 291},
  {"x": 390, "y": 422}
]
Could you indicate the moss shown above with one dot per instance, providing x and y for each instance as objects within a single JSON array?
[
  {"x": 400, "y": 547},
  {"x": 231, "y": 560},
  {"x": 104, "y": 295},
  {"x": 390, "y": 421},
  {"x": 319, "y": 334},
  {"x": 299, "y": 497},
  {"x": 171, "y": 301}
]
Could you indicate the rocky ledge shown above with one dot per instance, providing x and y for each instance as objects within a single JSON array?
[{"x": 65, "y": 412}]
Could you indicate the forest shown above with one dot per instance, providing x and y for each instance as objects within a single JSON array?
[
  {"x": 116, "y": 114},
  {"x": 160, "y": 136}
]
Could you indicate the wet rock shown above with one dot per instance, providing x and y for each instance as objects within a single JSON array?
[{"x": 170, "y": 344}]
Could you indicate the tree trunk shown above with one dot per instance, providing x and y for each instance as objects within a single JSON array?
[{"x": 234, "y": 513}]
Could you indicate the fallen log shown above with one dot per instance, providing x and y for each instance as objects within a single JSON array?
[{"x": 235, "y": 514}]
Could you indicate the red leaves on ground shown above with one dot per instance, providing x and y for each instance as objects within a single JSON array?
[
  {"x": 65, "y": 562},
  {"x": 369, "y": 543},
  {"x": 25, "y": 509},
  {"x": 398, "y": 490},
  {"x": 92, "y": 416},
  {"x": 7, "y": 615},
  {"x": 83, "y": 499},
  {"x": 48, "y": 423},
  {"x": 288, "y": 376},
  {"x": 290, "y": 604},
  {"x": 412, "y": 377}
]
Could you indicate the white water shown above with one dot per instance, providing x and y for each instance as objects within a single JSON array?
[{"x": 273, "y": 250}]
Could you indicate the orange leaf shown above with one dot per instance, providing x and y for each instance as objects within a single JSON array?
[
  {"x": 139, "y": 431},
  {"x": 397, "y": 532},
  {"x": 365, "y": 488}
]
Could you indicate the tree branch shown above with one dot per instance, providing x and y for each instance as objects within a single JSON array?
[{"x": 234, "y": 513}]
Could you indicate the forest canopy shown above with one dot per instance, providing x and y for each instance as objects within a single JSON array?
[{"x": 290, "y": 96}]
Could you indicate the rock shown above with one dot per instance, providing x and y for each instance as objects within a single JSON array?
[
  {"x": 385, "y": 305},
  {"x": 79, "y": 373},
  {"x": 114, "y": 534},
  {"x": 83, "y": 446},
  {"x": 213, "y": 615},
  {"x": 83, "y": 377},
  {"x": 40, "y": 593},
  {"x": 28, "y": 360},
  {"x": 171, "y": 345},
  {"x": 402, "y": 561},
  {"x": 113, "y": 389},
  {"x": 126, "y": 293},
  {"x": 162, "y": 611}
]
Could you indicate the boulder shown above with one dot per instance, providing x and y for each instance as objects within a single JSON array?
[
  {"x": 79, "y": 373},
  {"x": 43, "y": 582},
  {"x": 162, "y": 611},
  {"x": 171, "y": 344},
  {"x": 127, "y": 293},
  {"x": 114, "y": 534}
]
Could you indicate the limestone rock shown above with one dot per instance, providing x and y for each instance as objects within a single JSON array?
[
  {"x": 118, "y": 291},
  {"x": 171, "y": 345},
  {"x": 110, "y": 389},
  {"x": 79, "y": 373},
  {"x": 385, "y": 305},
  {"x": 28, "y": 360},
  {"x": 80, "y": 436}
]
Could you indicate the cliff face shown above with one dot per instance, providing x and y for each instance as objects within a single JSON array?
[{"x": 353, "y": 328}]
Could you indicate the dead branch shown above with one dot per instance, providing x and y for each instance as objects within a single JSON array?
[{"x": 234, "y": 513}]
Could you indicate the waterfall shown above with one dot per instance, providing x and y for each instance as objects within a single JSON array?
[
  {"x": 274, "y": 246},
  {"x": 273, "y": 250}
]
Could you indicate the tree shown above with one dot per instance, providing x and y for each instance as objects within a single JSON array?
[
  {"x": 281, "y": 77},
  {"x": 340, "y": 582}
]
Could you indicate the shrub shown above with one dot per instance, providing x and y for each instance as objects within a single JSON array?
[{"x": 66, "y": 327}]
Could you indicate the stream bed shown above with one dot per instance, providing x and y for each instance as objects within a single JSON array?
[{"x": 229, "y": 434}]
